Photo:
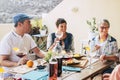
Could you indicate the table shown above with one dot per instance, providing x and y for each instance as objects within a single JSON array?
[
  {"x": 85, "y": 73},
  {"x": 99, "y": 66}
]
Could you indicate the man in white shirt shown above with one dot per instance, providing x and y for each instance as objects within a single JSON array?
[{"x": 15, "y": 38}]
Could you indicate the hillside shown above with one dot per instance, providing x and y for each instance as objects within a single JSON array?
[{"x": 8, "y": 8}]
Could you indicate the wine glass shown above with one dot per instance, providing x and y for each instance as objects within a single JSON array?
[
  {"x": 86, "y": 51},
  {"x": 1, "y": 72},
  {"x": 20, "y": 52},
  {"x": 58, "y": 47},
  {"x": 59, "y": 34}
]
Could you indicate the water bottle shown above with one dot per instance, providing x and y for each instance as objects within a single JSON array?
[{"x": 53, "y": 69}]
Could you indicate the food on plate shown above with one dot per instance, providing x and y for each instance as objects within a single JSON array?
[
  {"x": 70, "y": 61},
  {"x": 30, "y": 63},
  {"x": 76, "y": 55},
  {"x": 63, "y": 52}
]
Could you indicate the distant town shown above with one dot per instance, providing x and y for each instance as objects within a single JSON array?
[{"x": 35, "y": 8}]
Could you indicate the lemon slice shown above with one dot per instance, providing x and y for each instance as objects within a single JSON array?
[
  {"x": 16, "y": 49},
  {"x": 87, "y": 48},
  {"x": 2, "y": 70}
]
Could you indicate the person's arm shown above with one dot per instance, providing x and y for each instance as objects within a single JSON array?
[
  {"x": 109, "y": 57},
  {"x": 115, "y": 75},
  {"x": 37, "y": 51},
  {"x": 50, "y": 43},
  {"x": 4, "y": 61}
]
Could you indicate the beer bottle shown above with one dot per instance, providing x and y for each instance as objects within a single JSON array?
[{"x": 53, "y": 69}]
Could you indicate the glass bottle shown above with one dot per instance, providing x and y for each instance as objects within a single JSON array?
[{"x": 53, "y": 68}]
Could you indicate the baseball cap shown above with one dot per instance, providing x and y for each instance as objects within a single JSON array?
[{"x": 20, "y": 17}]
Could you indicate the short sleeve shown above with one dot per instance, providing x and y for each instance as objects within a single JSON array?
[{"x": 5, "y": 48}]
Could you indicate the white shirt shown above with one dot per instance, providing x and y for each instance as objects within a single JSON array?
[{"x": 12, "y": 40}]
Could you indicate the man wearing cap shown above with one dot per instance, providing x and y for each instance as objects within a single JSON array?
[{"x": 14, "y": 39}]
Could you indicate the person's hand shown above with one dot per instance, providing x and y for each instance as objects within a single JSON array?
[
  {"x": 97, "y": 47},
  {"x": 22, "y": 61},
  {"x": 56, "y": 40},
  {"x": 42, "y": 55},
  {"x": 106, "y": 76},
  {"x": 103, "y": 57}
]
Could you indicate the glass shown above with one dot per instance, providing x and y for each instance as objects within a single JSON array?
[
  {"x": 65, "y": 63},
  {"x": 85, "y": 47},
  {"x": 20, "y": 52},
  {"x": 87, "y": 52},
  {"x": 1, "y": 72},
  {"x": 58, "y": 48},
  {"x": 59, "y": 34}
]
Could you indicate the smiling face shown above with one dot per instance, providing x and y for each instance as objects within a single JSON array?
[
  {"x": 62, "y": 27},
  {"x": 104, "y": 28}
]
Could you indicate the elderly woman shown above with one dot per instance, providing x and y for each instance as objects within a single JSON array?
[
  {"x": 65, "y": 39},
  {"x": 104, "y": 44}
]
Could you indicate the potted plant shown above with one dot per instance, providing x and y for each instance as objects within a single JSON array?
[
  {"x": 36, "y": 23},
  {"x": 93, "y": 27},
  {"x": 38, "y": 28},
  {"x": 43, "y": 30}
]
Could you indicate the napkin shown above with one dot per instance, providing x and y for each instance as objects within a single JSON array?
[
  {"x": 36, "y": 75},
  {"x": 69, "y": 68}
]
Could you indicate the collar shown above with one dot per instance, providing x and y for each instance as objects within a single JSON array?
[
  {"x": 17, "y": 35},
  {"x": 108, "y": 38}
]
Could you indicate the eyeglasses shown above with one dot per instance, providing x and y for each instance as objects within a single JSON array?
[{"x": 104, "y": 28}]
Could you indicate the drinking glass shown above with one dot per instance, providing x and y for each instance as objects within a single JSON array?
[
  {"x": 1, "y": 72},
  {"x": 20, "y": 52},
  {"x": 58, "y": 47},
  {"x": 86, "y": 51},
  {"x": 59, "y": 34},
  {"x": 65, "y": 63}
]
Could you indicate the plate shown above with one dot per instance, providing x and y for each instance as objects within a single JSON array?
[
  {"x": 21, "y": 69},
  {"x": 74, "y": 63},
  {"x": 66, "y": 57},
  {"x": 78, "y": 57},
  {"x": 71, "y": 62}
]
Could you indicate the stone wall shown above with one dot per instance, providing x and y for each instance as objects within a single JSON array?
[{"x": 8, "y": 8}]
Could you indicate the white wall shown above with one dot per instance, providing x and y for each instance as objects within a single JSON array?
[
  {"x": 109, "y": 9},
  {"x": 4, "y": 29}
]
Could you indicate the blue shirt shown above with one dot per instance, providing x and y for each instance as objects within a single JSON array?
[{"x": 108, "y": 47}]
